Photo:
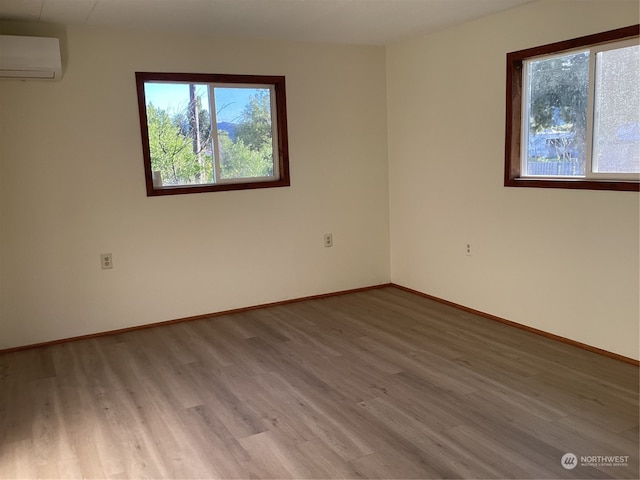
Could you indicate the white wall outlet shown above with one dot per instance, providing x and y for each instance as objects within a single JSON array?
[
  {"x": 328, "y": 240},
  {"x": 468, "y": 249},
  {"x": 106, "y": 261}
]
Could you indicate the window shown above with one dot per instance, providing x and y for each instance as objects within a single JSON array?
[
  {"x": 573, "y": 113},
  {"x": 207, "y": 132}
]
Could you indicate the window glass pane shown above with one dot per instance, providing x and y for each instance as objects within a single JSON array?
[
  {"x": 245, "y": 136},
  {"x": 616, "y": 131},
  {"x": 557, "y": 92},
  {"x": 179, "y": 126}
]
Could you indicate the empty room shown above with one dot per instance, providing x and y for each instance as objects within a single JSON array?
[{"x": 319, "y": 239}]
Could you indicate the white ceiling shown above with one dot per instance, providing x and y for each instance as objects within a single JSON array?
[{"x": 373, "y": 22}]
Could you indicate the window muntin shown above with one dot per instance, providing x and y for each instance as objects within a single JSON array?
[
  {"x": 573, "y": 113},
  {"x": 184, "y": 154}
]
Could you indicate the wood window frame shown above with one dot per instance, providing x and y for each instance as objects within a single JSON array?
[
  {"x": 515, "y": 81},
  {"x": 281, "y": 157}
]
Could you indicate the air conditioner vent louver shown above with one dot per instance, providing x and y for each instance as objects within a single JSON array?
[{"x": 30, "y": 57}]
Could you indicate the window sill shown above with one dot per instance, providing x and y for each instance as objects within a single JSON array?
[
  {"x": 578, "y": 183},
  {"x": 220, "y": 187}
]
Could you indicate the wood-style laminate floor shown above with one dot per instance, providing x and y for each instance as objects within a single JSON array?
[{"x": 376, "y": 384}]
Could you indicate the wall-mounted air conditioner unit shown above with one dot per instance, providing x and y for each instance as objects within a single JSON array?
[{"x": 30, "y": 57}]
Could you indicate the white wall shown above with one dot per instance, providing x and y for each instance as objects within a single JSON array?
[
  {"x": 72, "y": 187},
  {"x": 562, "y": 261}
]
